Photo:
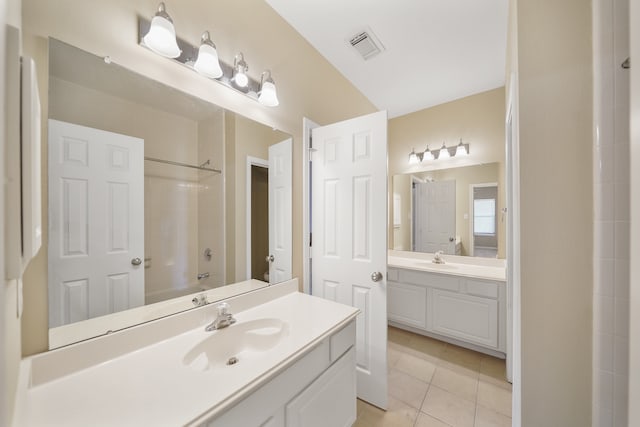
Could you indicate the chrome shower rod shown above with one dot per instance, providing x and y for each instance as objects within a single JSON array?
[{"x": 185, "y": 165}]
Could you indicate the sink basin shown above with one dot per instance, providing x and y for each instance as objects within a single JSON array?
[{"x": 241, "y": 341}]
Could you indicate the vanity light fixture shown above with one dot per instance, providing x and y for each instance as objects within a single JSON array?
[
  {"x": 461, "y": 149},
  {"x": 267, "y": 95},
  {"x": 444, "y": 152},
  {"x": 240, "y": 69},
  {"x": 207, "y": 62},
  {"x": 161, "y": 37}
]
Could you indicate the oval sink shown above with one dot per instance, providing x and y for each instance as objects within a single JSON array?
[{"x": 239, "y": 341}]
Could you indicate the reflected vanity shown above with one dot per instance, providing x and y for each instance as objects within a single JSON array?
[{"x": 148, "y": 213}]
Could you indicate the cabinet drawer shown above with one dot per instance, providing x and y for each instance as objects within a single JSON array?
[
  {"x": 482, "y": 288},
  {"x": 407, "y": 304},
  {"x": 450, "y": 283}
]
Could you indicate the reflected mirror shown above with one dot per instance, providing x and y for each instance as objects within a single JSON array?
[
  {"x": 457, "y": 210},
  {"x": 154, "y": 197}
]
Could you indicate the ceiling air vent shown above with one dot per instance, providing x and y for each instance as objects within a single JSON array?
[{"x": 367, "y": 44}]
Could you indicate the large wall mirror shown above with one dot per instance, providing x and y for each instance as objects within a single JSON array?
[
  {"x": 154, "y": 197},
  {"x": 456, "y": 210}
]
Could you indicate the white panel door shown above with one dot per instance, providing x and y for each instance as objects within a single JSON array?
[
  {"x": 280, "y": 205},
  {"x": 96, "y": 222},
  {"x": 349, "y": 211},
  {"x": 436, "y": 216}
]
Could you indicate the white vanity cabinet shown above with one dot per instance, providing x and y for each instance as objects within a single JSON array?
[
  {"x": 467, "y": 311},
  {"x": 319, "y": 389}
]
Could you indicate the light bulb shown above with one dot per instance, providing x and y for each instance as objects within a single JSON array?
[
  {"x": 240, "y": 69},
  {"x": 413, "y": 157},
  {"x": 461, "y": 150},
  {"x": 428, "y": 155},
  {"x": 268, "y": 94}
]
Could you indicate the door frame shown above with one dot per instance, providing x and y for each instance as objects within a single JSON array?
[
  {"x": 307, "y": 126},
  {"x": 251, "y": 161},
  {"x": 471, "y": 213}
]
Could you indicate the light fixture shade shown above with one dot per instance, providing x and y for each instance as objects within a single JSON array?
[
  {"x": 444, "y": 152},
  {"x": 268, "y": 95},
  {"x": 161, "y": 37},
  {"x": 413, "y": 157},
  {"x": 207, "y": 63},
  {"x": 461, "y": 150},
  {"x": 427, "y": 155}
]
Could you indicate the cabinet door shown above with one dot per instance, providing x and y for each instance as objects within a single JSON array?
[
  {"x": 466, "y": 317},
  {"x": 328, "y": 401},
  {"x": 407, "y": 304}
]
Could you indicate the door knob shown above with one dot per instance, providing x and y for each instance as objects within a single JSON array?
[
  {"x": 376, "y": 276},
  {"x": 270, "y": 258},
  {"x": 136, "y": 261},
  {"x": 451, "y": 239}
]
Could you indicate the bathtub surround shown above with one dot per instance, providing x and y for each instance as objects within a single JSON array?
[{"x": 611, "y": 180}]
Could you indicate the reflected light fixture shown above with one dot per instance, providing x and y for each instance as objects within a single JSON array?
[
  {"x": 207, "y": 62},
  {"x": 161, "y": 37},
  {"x": 461, "y": 150},
  {"x": 240, "y": 69},
  {"x": 444, "y": 152},
  {"x": 267, "y": 95}
]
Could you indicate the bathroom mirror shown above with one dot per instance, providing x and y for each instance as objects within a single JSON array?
[
  {"x": 177, "y": 185},
  {"x": 456, "y": 210}
]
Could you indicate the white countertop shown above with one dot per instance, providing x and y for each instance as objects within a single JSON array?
[
  {"x": 152, "y": 385},
  {"x": 479, "y": 268}
]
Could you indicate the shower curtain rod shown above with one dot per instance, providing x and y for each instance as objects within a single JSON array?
[{"x": 171, "y": 162}]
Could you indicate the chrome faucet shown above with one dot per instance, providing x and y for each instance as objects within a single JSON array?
[
  {"x": 223, "y": 320},
  {"x": 437, "y": 258}
]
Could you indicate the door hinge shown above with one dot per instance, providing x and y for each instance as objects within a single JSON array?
[{"x": 310, "y": 239}]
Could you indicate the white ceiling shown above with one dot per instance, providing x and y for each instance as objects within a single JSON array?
[{"x": 435, "y": 50}]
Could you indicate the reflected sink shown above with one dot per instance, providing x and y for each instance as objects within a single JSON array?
[{"x": 243, "y": 340}]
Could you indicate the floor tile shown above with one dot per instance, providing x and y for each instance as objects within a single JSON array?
[
  {"x": 487, "y": 418},
  {"x": 494, "y": 371},
  {"x": 406, "y": 388},
  {"x": 457, "y": 383},
  {"x": 495, "y": 398},
  {"x": 425, "y": 420},
  {"x": 457, "y": 357},
  {"x": 449, "y": 408},
  {"x": 393, "y": 354},
  {"x": 416, "y": 367},
  {"x": 398, "y": 414}
]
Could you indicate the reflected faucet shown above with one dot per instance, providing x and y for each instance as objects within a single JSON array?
[
  {"x": 223, "y": 320},
  {"x": 437, "y": 258}
]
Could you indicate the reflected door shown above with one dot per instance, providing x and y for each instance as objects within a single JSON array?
[
  {"x": 435, "y": 219},
  {"x": 280, "y": 205},
  {"x": 349, "y": 251},
  {"x": 96, "y": 222}
]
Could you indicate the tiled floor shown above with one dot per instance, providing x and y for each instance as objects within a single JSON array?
[{"x": 435, "y": 384}]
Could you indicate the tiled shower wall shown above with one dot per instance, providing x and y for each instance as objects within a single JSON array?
[{"x": 612, "y": 213}]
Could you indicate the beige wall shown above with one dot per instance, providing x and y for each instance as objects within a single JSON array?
[
  {"x": 555, "y": 101},
  {"x": 478, "y": 119}
]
